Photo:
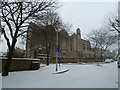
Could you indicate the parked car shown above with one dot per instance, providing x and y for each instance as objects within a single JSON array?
[
  {"x": 108, "y": 60},
  {"x": 112, "y": 60}
]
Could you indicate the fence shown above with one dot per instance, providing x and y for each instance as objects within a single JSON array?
[{"x": 73, "y": 60}]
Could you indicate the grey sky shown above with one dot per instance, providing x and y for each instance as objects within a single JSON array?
[{"x": 86, "y": 15}]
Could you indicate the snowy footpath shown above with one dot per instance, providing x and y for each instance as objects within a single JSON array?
[{"x": 78, "y": 76}]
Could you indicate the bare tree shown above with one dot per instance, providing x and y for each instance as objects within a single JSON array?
[
  {"x": 52, "y": 23},
  {"x": 113, "y": 22},
  {"x": 101, "y": 40},
  {"x": 50, "y": 18},
  {"x": 15, "y": 16}
]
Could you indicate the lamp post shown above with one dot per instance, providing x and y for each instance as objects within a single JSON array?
[
  {"x": 57, "y": 52},
  {"x": 57, "y": 46}
]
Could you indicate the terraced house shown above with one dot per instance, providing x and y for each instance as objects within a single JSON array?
[{"x": 43, "y": 39}]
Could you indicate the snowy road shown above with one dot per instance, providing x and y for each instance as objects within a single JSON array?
[{"x": 79, "y": 76}]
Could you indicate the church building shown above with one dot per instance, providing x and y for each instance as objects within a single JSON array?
[{"x": 70, "y": 45}]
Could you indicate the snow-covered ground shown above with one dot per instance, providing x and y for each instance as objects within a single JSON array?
[
  {"x": 119, "y": 78},
  {"x": 78, "y": 76},
  {"x": 0, "y": 81}
]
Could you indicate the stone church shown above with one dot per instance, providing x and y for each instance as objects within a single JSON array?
[{"x": 72, "y": 46}]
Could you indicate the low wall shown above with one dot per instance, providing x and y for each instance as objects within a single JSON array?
[
  {"x": 71, "y": 61},
  {"x": 19, "y": 65}
]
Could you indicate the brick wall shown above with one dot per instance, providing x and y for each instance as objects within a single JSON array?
[{"x": 18, "y": 65}]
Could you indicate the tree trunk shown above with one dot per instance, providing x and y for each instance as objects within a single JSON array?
[
  {"x": 101, "y": 56},
  {"x": 47, "y": 62},
  {"x": 35, "y": 54},
  {"x": 48, "y": 53},
  {"x": 47, "y": 57},
  {"x": 7, "y": 64},
  {"x": 5, "y": 70}
]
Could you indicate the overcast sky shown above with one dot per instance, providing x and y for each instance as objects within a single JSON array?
[{"x": 84, "y": 15}]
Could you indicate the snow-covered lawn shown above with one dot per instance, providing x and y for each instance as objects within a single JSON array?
[
  {"x": 0, "y": 81},
  {"x": 78, "y": 76},
  {"x": 119, "y": 78}
]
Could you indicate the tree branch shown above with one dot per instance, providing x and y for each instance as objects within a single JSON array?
[
  {"x": 8, "y": 42},
  {"x": 7, "y": 22},
  {"x": 113, "y": 25},
  {"x": 21, "y": 33}
]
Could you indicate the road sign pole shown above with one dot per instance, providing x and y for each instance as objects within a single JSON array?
[{"x": 57, "y": 51}]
